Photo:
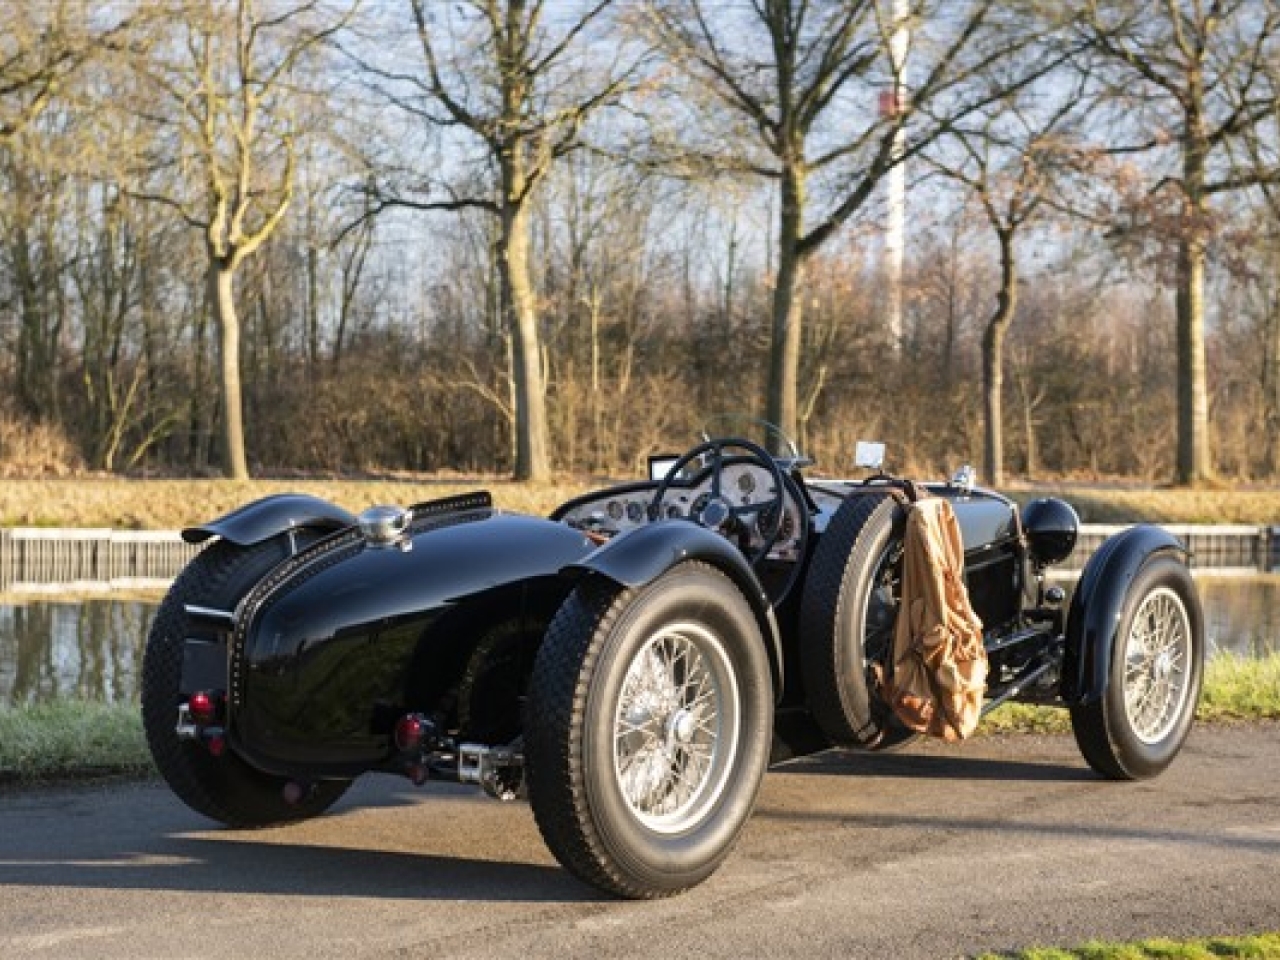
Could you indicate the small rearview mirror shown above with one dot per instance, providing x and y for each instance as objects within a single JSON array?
[
  {"x": 868, "y": 455},
  {"x": 660, "y": 466}
]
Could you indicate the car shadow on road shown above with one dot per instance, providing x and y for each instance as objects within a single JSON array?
[
  {"x": 231, "y": 863},
  {"x": 381, "y": 841}
]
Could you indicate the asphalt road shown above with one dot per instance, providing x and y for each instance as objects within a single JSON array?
[{"x": 934, "y": 852}]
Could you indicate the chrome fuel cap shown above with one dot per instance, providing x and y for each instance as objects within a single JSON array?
[{"x": 385, "y": 526}]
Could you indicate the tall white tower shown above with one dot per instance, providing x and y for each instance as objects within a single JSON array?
[{"x": 896, "y": 181}]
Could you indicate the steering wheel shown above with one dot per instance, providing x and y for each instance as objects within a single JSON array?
[{"x": 719, "y": 512}]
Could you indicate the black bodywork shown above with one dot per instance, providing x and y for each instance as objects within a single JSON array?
[
  {"x": 634, "y": 662},
  {"x": 330, "y": 650}
]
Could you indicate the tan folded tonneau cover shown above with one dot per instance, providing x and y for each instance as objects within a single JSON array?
[{"x": 939, "y": 668}]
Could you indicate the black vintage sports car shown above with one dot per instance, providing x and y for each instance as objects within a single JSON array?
[{"x": 634, "y": 662}]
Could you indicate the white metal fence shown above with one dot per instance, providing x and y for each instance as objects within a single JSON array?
[
  {"x": 34, "y": 559},
  {"x": 1222, "y": 548}
]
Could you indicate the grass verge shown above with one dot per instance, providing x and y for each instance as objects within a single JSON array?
[
  {"x": 70, "y": 739},
  {"x": 1235, "y": 689},
  {"x": 1262, "y": 947}
]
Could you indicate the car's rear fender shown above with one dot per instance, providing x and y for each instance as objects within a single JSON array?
[
  {"x": 263, "y": 519},
  {"x": 638, "y": 557},
  {"x": 1097, "y": 606}
]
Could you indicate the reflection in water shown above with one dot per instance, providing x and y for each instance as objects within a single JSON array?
[
  {"x": 1241, "y": 614},
  {"x": 92, "y": 649},
  {"x": 86, "y": 649}
]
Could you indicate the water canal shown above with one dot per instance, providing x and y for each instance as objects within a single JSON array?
[{"x": 92, "y": 648}]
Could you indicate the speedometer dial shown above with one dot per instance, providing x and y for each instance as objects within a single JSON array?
[{"x": 769, "y": 516}]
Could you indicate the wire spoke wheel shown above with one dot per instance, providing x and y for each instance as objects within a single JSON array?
[
  {"x": 649, "y": 729},
  {"x": 676, "y": 727},
  {"x": 1157, "y": 653},
  {"x": 1135, "y": 728}
]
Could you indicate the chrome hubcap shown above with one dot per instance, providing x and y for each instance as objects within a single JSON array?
[
  {"x": 1156, "y": 665},
  {"x": 676, "y": 727}
]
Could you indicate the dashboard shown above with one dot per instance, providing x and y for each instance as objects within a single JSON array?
[{"x": 748, "y": 496}]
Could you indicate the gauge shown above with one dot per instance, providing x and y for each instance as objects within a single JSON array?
[
  {"x": 635, "y": 511},
  {"x": 615, "y": 510},
  {"x": 768, "y": 517},
  {"x": 699, "y": 504}
]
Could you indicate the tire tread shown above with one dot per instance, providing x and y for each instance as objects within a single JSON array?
[
  {"x": 562, "y": 674},
  {"x": 1101, "y": 727},
  {"x": 225, "y": 788},
  {"x": 837, "y": 561},
  {"x": 565, "y": 673}
]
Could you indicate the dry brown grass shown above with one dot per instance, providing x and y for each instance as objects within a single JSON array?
[
  {"x": 35, "y": 449},
  {"x": 1101, "y": 504},
  {"x": 102, "y": 501},
  {"x": 171, "y": 504}
]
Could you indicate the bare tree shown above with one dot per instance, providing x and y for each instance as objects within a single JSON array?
[
  {"x": 225, "y": 77},
  {"x": 1261, "y": 160},
  {"x": 42, "y": 46},
  {"x": 520, "y": 80},
  {"x": 1190, "y": 77},
  {"x": 797, "y": 79},
  {"x": 45, "y": 50},
  {"x": 34, "y": 259},
  {"x": 1006, "y": 160},
  {"x": 593, "y": 225},
  {"x": 1271, "y": 365}
]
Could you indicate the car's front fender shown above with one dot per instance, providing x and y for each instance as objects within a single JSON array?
[
  {"x": 263, "y": 519},
  {"x": 638, "y": 557},
  {"x": 1098, "y": 604}
]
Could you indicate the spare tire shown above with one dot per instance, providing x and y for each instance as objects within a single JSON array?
[
  {"x": 847, "y": 617},
  {"x": 223, "y": 788}
]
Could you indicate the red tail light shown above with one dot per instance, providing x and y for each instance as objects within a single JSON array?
[
  {"x": 203, "y": 707},
  {"x": 411, "y": 730}
]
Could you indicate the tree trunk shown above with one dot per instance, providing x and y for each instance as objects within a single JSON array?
[
  {"x": 784, "y": 349},
  {"x": 1271, "y": 378},
  {"x": 1194, "y": 463},
  {"x": 948, "y": 359},
  {"x": 32, "y": 365},
  {"x": 313, "y": 311},
  {"x": 532, "y": 462},
  {"x": 39, "y": 325},
  {"x": 1028, "y": 430},
  {"x": 196, "y": 427},
  {"x": 221, "y": 278},
  {"x": 993, "y": 362}
]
